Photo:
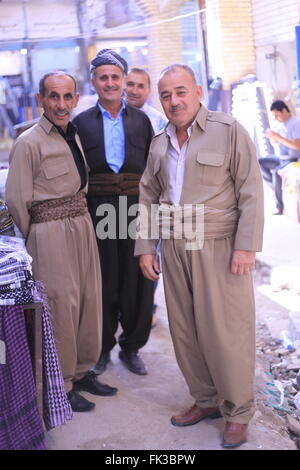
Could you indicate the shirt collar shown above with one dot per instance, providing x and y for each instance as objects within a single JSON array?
[
  {"x": 71, "y": 129},
  {"x": 107, "y": 113},
  {"x": 171, "y": 130}
]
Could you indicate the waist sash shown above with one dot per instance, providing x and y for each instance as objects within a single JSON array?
[
  {"x": 55, "y": 209},
  {"x": 196, "y": 223},
  {"x": 120, "y": 184}
]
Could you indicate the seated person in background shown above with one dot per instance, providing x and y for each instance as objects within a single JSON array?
[{"x": 289, "y": 141}]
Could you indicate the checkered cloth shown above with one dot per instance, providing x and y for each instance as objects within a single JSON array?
[
  {"x": 20, "y": 424},
  {"x": 18, "y": 296},
  {"x": 15, "y": 266},
  {"x": 57, "y": 409},
  {"x": 17, "y": 287}
]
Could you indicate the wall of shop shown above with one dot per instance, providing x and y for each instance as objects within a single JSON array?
[{"x": 274, "y": 24}]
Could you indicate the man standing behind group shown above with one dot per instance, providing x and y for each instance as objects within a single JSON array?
[
  {"x": 206, "y": 158},
  {"x": 46, "y": 195},
  {"x": 116, "y": 139},
  {"x": 138, "y": 89}
]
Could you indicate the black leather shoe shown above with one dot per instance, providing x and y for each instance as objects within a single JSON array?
[
  {"x": 78, "y": 402},
  {"x": 133, "y": 362},
  {"x": 89, "y": 383},
  {"x": 101, "y": 365}
]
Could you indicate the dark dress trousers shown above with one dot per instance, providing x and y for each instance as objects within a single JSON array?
[{"x": 127, "y": 295}]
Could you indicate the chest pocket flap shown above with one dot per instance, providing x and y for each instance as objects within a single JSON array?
[
  {"x": 56, "y": 168},
  {"x": 211, "y": 158}
]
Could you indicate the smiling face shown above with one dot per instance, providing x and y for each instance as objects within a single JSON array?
[
  {"x": 180, "y": 97},
  {"x": 137, "y": 89},
  {"x": 108, "y": 81},
  {"x": 59, "y": 99}
]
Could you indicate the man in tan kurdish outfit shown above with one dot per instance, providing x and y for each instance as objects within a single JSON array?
[
  {"x": 46, "y": 195},
  {"x": 207, "y": 158}
]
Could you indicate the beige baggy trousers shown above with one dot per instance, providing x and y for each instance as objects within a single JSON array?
[
  {"x": 212, "y": 322},
  {"x": 65, "y": 258}
]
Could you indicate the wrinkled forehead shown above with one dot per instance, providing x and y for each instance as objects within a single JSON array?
[
  {"x": 109, "y": 70},
  {"x": 176, "y": 79},
  {"x": 60, "y": 84}
]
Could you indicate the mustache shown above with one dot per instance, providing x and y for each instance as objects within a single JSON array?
[
  {"x": 111, "y": 88},
  {"x": 178, "y": 107}
]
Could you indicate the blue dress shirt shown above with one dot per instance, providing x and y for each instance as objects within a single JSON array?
[{"x": 114, "y": 138}]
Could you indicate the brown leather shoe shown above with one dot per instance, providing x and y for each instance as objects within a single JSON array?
[
  {"x": 194, "y": 415},
  {"x": 234, "y": 435}
]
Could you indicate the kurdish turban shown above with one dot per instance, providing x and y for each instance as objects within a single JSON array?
[{"x": 109, "y": 57}]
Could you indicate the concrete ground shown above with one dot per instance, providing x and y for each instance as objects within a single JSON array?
[{"x": 138, "y": 417}]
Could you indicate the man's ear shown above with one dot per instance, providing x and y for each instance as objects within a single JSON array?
[
  {"x": 39, "y": 100},
  {"x": 199, "y": 91},
  {"x": 77, "y": 96}
]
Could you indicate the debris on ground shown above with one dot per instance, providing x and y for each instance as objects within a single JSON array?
[{"x": 281, "y": 390}]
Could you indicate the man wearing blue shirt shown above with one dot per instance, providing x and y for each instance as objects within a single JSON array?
[{"x": 116, "y": 138}]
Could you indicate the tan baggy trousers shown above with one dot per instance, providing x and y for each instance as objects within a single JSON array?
[
  {"x": 212, "y": 322},
  {"x": 65, "y": 257}
]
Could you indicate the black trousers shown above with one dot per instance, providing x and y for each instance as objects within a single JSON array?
[
  {"x": 269, "y": 167},
  {"x": 127, "y": 294}
]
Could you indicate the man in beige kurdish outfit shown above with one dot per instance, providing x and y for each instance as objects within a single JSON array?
[
  {"x": 207, "y": 158},
  {"x": 46, "y": 195}
]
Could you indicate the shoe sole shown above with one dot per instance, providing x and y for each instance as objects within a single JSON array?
[
  {"x": 190, "y": 423},
  {"x": 232, "y": 446},
  {"x": 83, "y": 411},
  {"x": 104, "y": 394}
]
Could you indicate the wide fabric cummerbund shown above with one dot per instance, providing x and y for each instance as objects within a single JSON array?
[
  {"x": 55, "y": 209},
  {"x": 196, "y": 223},
  {"x": 119, "y": 184}
]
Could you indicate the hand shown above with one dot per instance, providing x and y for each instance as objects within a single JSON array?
[
  {"x": 272, "y": 135},
  {"x": 242, "y": 262},
  {"x": 149, "y": 265}
]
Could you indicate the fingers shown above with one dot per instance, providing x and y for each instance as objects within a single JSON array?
[
  {"x": 241, "y": 268},
  {"x": 150, "y": 267},
  {"x": 243, "y": 262}
]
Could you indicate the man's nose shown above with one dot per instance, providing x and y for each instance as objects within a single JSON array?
[
  {"x": 174, "y": 100},
  {"x": 61, "y": 102}
]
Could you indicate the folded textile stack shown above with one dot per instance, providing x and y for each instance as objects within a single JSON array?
[
  {"x": 6, "y": 221},
  {"x": 20, "y": 424},
  {"x": 16, "y": 281}
]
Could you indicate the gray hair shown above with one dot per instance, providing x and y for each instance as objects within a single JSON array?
[
  {"x": 58, "y": 73},
  {"x": 173, "y": 67}
]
